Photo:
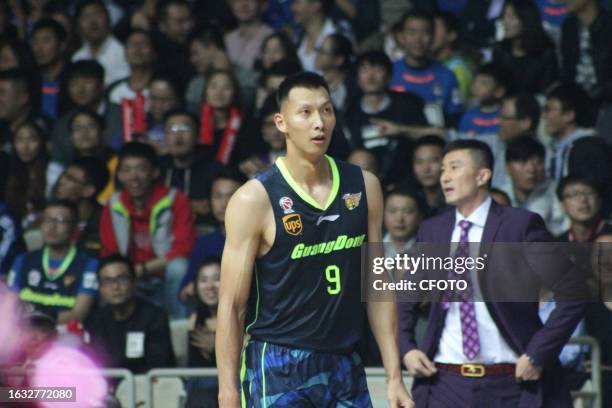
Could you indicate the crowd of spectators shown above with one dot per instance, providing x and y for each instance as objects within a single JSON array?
[{"x": 126, "y": 126}]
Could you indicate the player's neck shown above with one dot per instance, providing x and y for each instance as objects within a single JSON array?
[{"x": 307, "y": 171}]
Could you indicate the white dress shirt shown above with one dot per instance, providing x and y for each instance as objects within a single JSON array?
[
  {"x": 493, "y": 347},
  {"x": 308, "y": 59}
]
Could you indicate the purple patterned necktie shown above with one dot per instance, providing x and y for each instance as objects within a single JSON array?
[{"x": 467, "y": 312}]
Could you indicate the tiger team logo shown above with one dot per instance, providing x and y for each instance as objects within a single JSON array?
[
  {"x": 352, "y": 200},
  {"x": 286, "y": 203},
  {"x": 293, "y": 224}
]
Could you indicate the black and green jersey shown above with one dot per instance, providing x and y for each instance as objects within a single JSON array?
[{"x": 306, "y": 289}]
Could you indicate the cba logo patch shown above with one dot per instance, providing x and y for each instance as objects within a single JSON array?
[
  {"x": 293, "y": 224},
  {"x": 286, "y": 203},
  {"x": 352, "y": 200}
]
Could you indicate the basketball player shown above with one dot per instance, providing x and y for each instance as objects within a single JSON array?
[{"x": 290, "y": 272}]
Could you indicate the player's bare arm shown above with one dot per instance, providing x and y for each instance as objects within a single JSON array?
[
  {"x": 248, "y": 221},
  {"x": 382, "y": 316}
]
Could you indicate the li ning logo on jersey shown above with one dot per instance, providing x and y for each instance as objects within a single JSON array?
[{"x": 352, "y": 200}]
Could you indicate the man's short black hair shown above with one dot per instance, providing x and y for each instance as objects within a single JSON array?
[
  {"x": 500, "y": 75},
  {"x": 269, "y": 107},
  {"x": 283, "y": 67},
  {"x": 527, "y": 107},
  {"x": 161, "y": 9},
  {"x": 146, "y": 33},
  {"x": 574, "y": 99},
  {"x": 141, "y": 150},
  {"x": 229, "y": 173},
  {"x": 405, "y": 191},
  {"x": 56, "y": 28},
  {"x": 116, "y": 258},
  {"x": 183, "y": 112},
  {"x": 85, "y": 3},
  {"x": 19, "y": 78},
  {"x": 74, "y": 211},
  {"x": 418, "y": 14},
  {"x": 429, "y": 140},
  {"x": 524, "y": 148},
  {"x": 451, "y": 21},
  {"x": 88, "y": 112},
  {"x": 480, "y": 151},
  {"x": 207, "y": 36},
  {"x": 577, "y": 179},
  {"x": 304, "y": 79},
  {"x": 377, "y": 59},
  {"x": 96, "y": 172},
  {"x": 87, "y": 68}
]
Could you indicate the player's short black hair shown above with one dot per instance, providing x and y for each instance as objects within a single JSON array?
[
  {"x": 87, "y": 68},
  {"x": 96, "y": 171},
  {"x": 577, "y": 179},
  {"x": 116, "y": 258},
  {"x": 480, "y": 151},
  {"x": 283, "y": 67},
  {"x": 527, "y": 107},
  {"x": 574, "y": 99},
  {"x": 405, "y": 191},
  {"x": 375, "y": 58},
  {"x": 56, "y": 28},
  {"x": 304, "y": 79},
  {"x": 418, "y": 14},
  {"x": 269, "y": 107},
  {"x": 524, "y": 148},
  {"x": 141, "y": 150},
  {"x": 69, "y": 205}
]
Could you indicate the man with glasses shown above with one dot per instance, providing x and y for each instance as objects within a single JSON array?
[
  {"x": 80, "y": 183},
  {"x": 59, "y": 279},
  {"x": 128, "y": 331},
  {"x": 188, "y": 167},
  {"x": 581, "y": 200}
]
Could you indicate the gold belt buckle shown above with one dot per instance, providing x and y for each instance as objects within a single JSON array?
[{"x": 472, "y": 370}]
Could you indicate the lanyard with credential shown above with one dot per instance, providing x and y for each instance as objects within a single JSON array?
[{"x": 63, "y": 266}]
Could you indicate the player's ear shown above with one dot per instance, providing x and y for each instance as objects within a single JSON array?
[
  {"x": 279, "y": 121},
  {"x": 484, "y": 175}
]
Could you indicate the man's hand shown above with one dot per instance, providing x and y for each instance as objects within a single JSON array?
[
  {"x": 526, "y": 371},
  {"x": 418, "y": 364},
  {"x": 397, "y": 395}
]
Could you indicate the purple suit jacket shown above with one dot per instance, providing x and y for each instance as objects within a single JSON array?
[{"x": 518, "y": 322}]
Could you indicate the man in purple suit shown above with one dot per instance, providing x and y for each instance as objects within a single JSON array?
[{"x": 492, "y": 353}]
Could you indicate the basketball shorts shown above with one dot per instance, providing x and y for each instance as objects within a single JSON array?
[{"x": 274, "y": 376}]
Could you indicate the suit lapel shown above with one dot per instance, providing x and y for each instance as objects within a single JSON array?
[{"x": 491, "y": 227}]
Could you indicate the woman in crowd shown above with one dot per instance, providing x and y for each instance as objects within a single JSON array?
[
  {"x": 526, "y": 50},
  {"x": 276, "y": 46},
  {"x": 220, "y": 115},
  {"x": 32, "y": 174},
  {"x": 203, "y": 324}
]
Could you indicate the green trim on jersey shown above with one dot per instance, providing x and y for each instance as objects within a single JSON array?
[{"x": 305, "y": 196}]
